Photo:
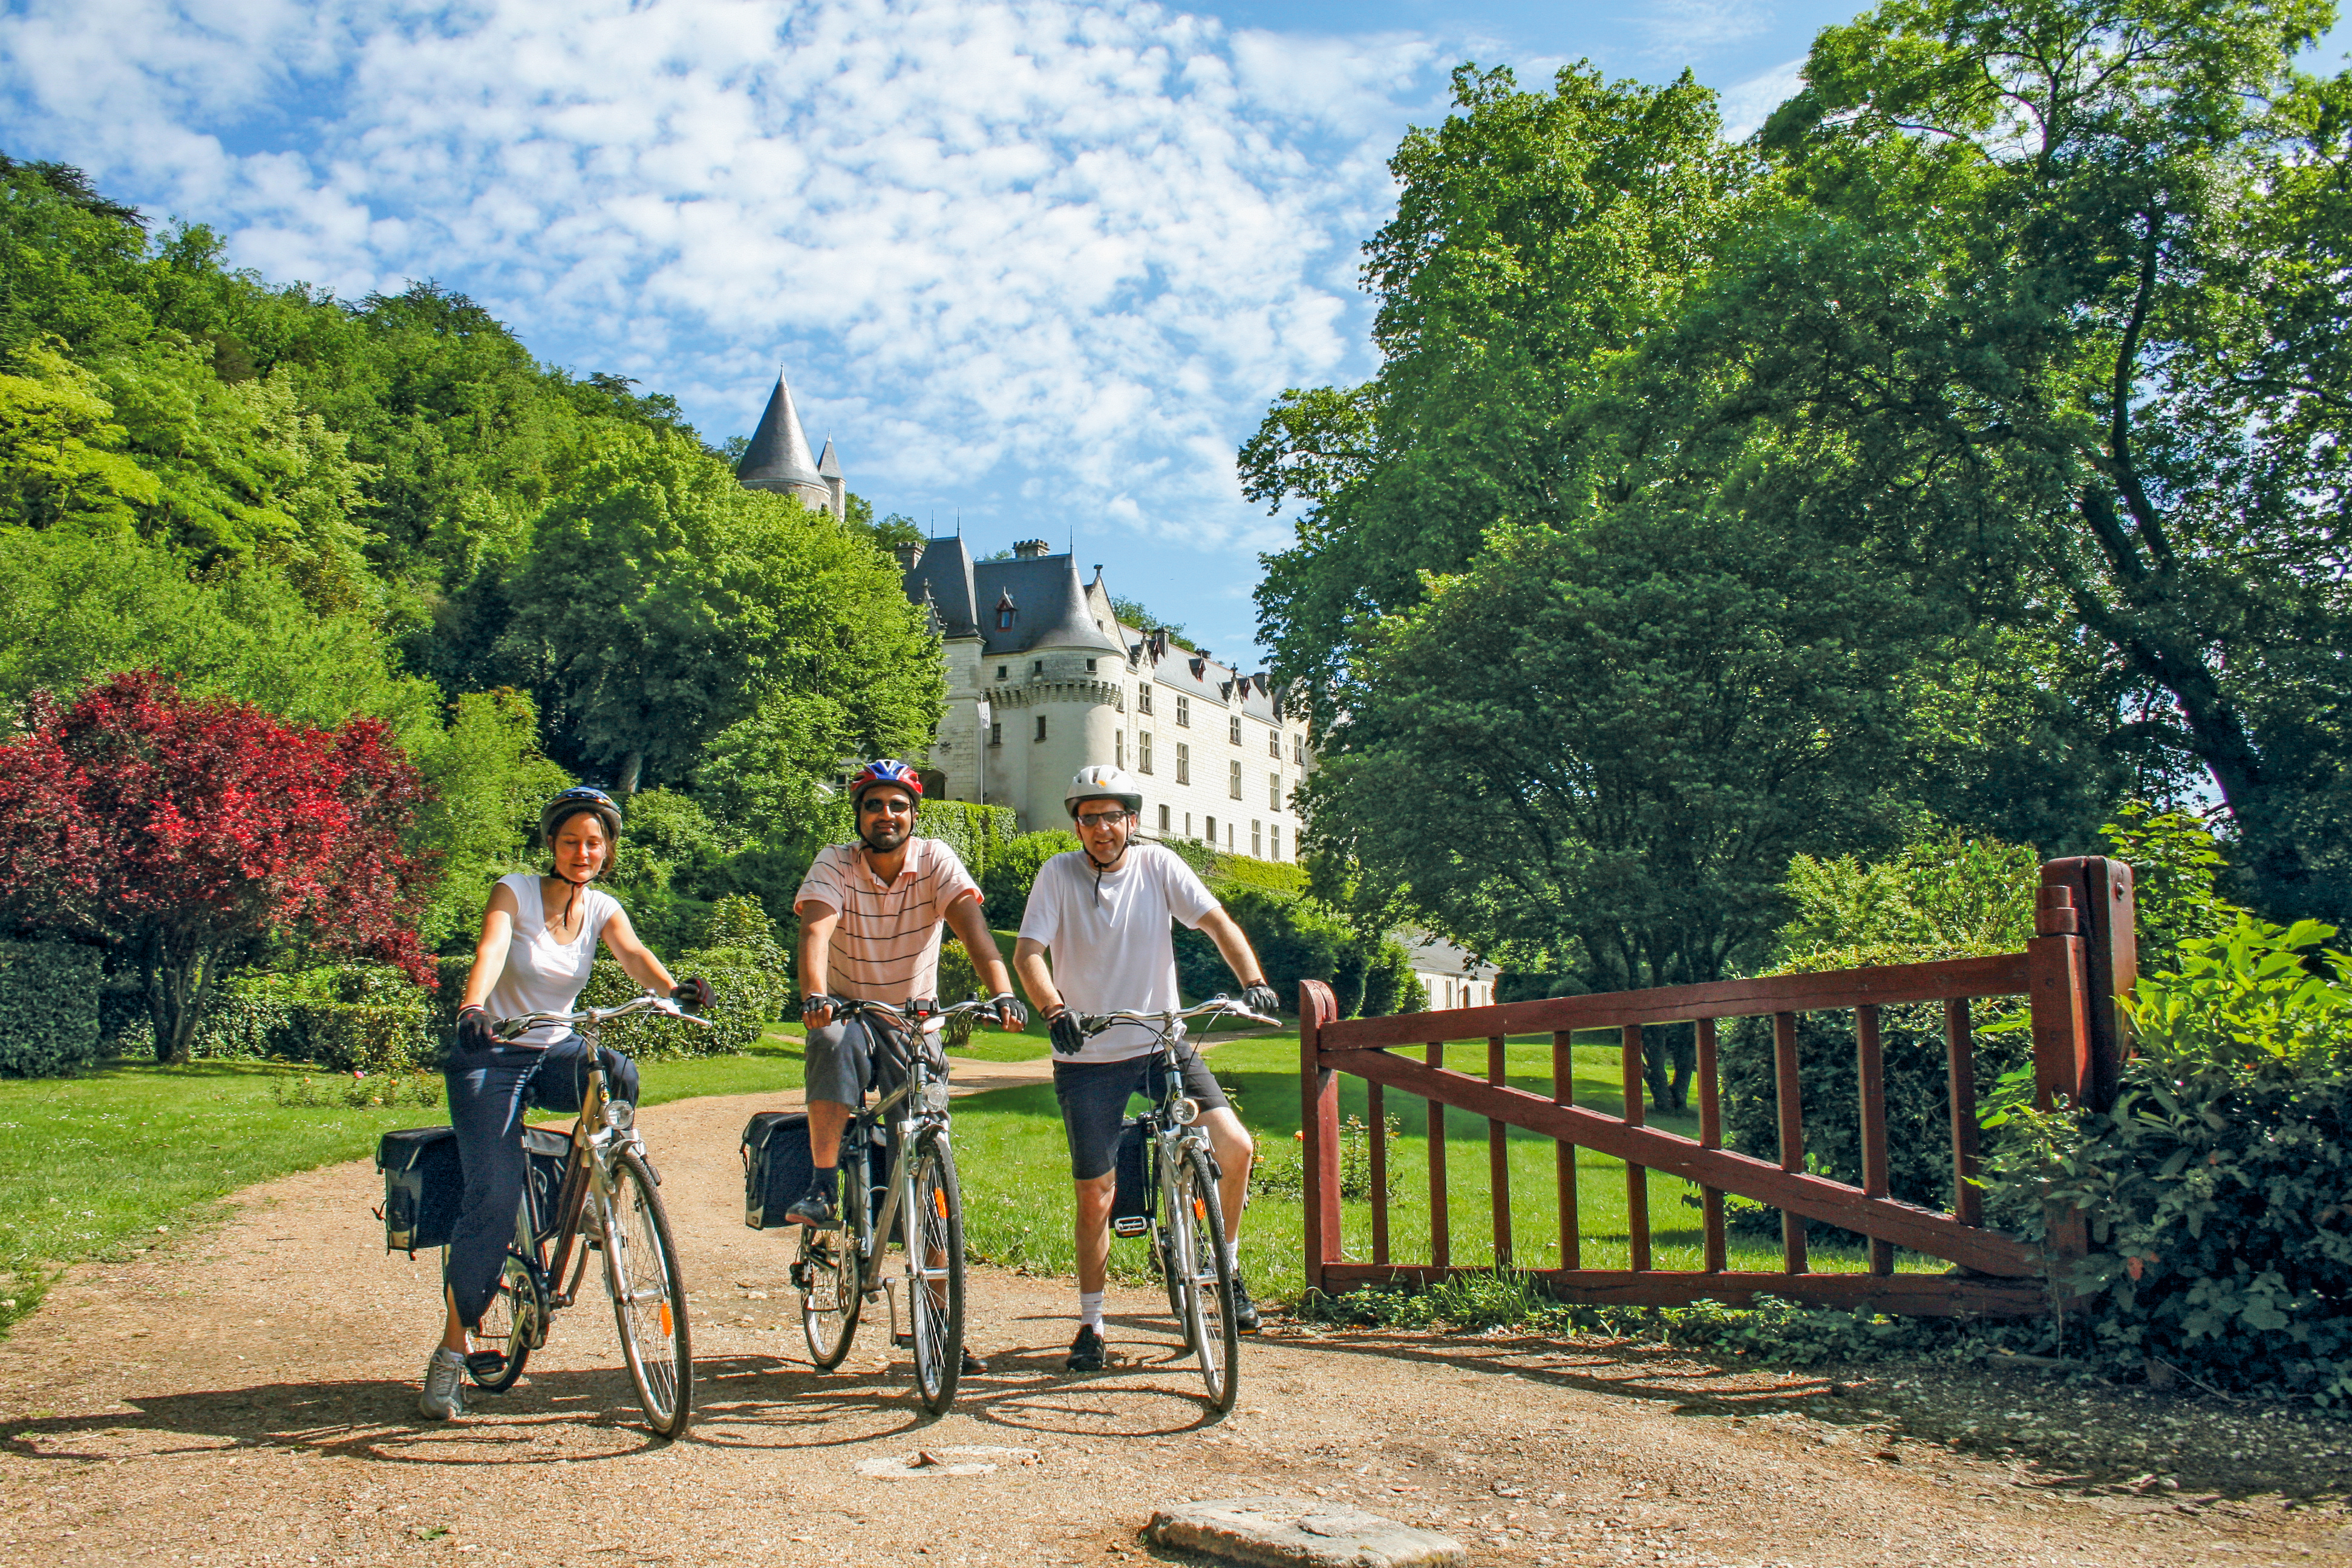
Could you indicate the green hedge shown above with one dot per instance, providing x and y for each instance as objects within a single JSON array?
[{"x": 48, "y": 1007}]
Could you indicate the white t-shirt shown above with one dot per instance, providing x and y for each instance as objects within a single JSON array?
[
  {"x": 1110, "y": 941},
  {"x": 542, "y": 974}
]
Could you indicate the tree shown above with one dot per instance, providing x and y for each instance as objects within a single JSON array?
[
  {"x": 2066, "y": 283},
  {"x": 1598, "y": 750},
  {"x": 664, "y": 604},
  {"x": 199, "y": 834}
]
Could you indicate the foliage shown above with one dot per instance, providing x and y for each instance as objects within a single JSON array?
[
  {"x": 487, "y": 783},
  {"x": 197, "y": 833},
  {"x": 749, "y": 996},
  {"x": 48, "y": 1007},
  {"x": 976, "y": 833},
  {"x": 665, "y": 607},
  {"x": 420, "y": 1089},
  {"x": 2217, "y": 1183},
  {"x": 1948, "y": 896},
  {"x": 1601, "y": 747},
  {"x": 1281, "y": 1171},
  {"x": 1132, "y": 612},
  {"x": 1005, "y": 881},
  {"x": 2176, "y": 867}
]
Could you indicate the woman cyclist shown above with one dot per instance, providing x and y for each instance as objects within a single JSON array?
[{"x": 538, "y": 943}]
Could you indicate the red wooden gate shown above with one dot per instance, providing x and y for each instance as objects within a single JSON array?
[{"x": 2071, "y": 973}]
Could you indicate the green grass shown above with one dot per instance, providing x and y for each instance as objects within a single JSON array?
[
  {"x": 96, "y": 1166},
  {"x": 1015, "y": 1166}
]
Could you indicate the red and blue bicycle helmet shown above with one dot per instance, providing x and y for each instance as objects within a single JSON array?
[{"x": 886, "y": 771}]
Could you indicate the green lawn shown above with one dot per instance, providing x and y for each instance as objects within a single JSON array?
[
  {"x": 1017, "y": 1198},
  {"x": 95, "y": 1166}
]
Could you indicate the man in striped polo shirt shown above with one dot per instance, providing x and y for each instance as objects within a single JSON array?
[{"x": 870, "y": 917}]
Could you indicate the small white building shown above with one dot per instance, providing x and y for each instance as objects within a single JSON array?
[
  {"x": 1044, "y": 680},
  {"x": 1451, "y": 977}
]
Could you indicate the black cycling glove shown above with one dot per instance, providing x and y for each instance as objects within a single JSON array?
[
  {"x": 1260, "y": 998},
  {"x": 474, "y": 1030},
  {"x": 1010, "y": 1012},
  {"x": 694, "y": 995},
  {"x": 818, "y": 1002},
  {"x": 1069, "y": 1040}
]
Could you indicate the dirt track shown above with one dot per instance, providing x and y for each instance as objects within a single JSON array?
[{"x": 247, "y": 1395}]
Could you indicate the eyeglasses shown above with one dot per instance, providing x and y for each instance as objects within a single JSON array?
[
  {"x": 894, "y": 804},
  {"x": 1101, "y": 818}
]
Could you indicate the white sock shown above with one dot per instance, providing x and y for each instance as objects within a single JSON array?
[
  {"x": 1090, "y": 1310},
  {"x": 1233, "y": 1255}
]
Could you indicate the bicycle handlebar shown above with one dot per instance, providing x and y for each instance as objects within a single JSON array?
[
  {"x": 509, "y": 1029},
  {"x": 1095, "y": 1023}
]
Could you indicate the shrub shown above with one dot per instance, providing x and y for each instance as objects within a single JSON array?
[
  {"x": 48, "y": 1007},
  {"x": 363, "y": 1036},
  {"x": 1281, "y": 1171},
  {"x": 978, "y": 834},
  {"x": 2220, "y": 1183},
  {"x": 735, "y": 1020},
  {"x": 1004, "y": 883}
]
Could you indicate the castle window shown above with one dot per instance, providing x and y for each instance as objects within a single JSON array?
[
  {"x": 1143, "y": 758},
  {"x": 1234, "y": 731},
  {"x": 1041, "y": 726},
  {"x": 1274, "y": 791},
  {"x": 1118, "y": 749},
  {"x": 1298, "y": 749},
  {"x": 1005, "y": 611},
  {"x": 1143, "y": 698},
  {"x": 1274, "y": 744},
  {"x": 996, "y": 734},
  {"x": 1213, "y": 830},
  {"x": 1184, "y": 710},
  {"x": 1183, "y": 764},
  {"x": 1037, "y": 667},
  {"x": 1234, "y": 782},
  {"x": 1188, "y": 825},
  {"x": 999, "y": 671},
  {"x": 1090, "y": 666},
  {"x": 1163, "y": 822},
  {"x": 1277, "y": 831},
  {"x": 1255, "y": 846}
]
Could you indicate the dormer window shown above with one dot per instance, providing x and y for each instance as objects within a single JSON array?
[{"x": 1005, "y": 611}]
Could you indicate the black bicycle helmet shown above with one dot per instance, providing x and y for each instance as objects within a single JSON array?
[{"x": 571, "y": 803}]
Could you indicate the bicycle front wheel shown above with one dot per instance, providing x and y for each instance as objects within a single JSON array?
[
  {"x": 641, "y": 1268},
  {"x": 935, "y": 1274},
  {"x": 1204, "y": 1279}
]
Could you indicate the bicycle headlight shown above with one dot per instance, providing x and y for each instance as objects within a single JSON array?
[
  {"x": 620, "y": 1115},
  {"x": 935, "y": 1099},
  {"x": 1188, "y": 1111}
]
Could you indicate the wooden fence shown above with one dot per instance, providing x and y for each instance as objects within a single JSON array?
[{"x": 2071, "y": 973}]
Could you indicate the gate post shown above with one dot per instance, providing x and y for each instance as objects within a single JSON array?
[
  {"x": 1318, "y": 1120},
  {"x": 2060, "y": 975},
  {"x": 2107, "y": 921}
]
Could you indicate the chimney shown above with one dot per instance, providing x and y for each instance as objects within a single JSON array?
[
  {"x": 910, "y": 555},
  {"x": 1029, "y": 549}
]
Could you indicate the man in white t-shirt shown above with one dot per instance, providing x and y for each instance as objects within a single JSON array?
[{"x": 1104, "y": 911}]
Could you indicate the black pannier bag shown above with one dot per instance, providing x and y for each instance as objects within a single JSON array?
[
  {"x": 776, "y": 1165},
  {"x": 1131, "y": 1206},
  {"x": 422, "y": 1185},
  {"x": 425, "y": 1182}
]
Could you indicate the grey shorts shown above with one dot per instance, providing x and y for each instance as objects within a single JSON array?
[{"x": 841, "y": 1063}]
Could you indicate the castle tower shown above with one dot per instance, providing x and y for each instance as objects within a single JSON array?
[
  {"x": 828, "y": 469},
  {"x": 778, "y": 458}
]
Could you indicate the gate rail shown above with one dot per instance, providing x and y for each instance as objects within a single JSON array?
[{"x": 2072, "y": 973}]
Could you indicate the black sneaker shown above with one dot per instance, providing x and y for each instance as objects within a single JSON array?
[
  {"x": 1246, "y": 1316},
  {"x": 972, "y": 1365},
  {"x": 817, "y": 1207},
  {"x": 1087, "y": 1350}
]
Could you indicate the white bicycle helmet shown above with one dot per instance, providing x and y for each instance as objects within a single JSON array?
[{"x": 1104, "y": 782}]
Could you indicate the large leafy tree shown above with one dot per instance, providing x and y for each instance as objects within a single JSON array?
[
  {"x": 2067, "y": 283},
  {"x": 197, "y": 834},
  {"x": 664, "y": 605}
]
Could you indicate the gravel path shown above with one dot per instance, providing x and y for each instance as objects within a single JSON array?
[{"x": 246, "y": 1394}]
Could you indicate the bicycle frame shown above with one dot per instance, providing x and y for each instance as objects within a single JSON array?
[{"x": 924, "y": 1101}]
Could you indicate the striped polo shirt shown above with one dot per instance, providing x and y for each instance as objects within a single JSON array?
[{"x": 886, "y": 947}]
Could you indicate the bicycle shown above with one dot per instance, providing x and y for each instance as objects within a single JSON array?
[
  {"x": 836, "y": 1278},
  {"x": 1188, "y": 1219},
  {"x": 608, "y": 1198}
]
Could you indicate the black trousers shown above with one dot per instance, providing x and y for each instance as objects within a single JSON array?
[{"x": 489, "y": 1091}]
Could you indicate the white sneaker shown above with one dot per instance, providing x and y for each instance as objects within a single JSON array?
[{"x": 444, "y": 1387}]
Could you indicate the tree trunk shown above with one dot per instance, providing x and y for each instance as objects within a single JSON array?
[
  {"x": 632, "y": 767},
  {"x": 178, "y": 985}
]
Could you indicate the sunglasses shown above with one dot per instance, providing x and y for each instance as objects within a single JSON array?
[{"x": 1101, "y": 818}]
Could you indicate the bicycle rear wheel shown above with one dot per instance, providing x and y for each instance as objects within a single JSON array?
[
  {"x": 935, "y": 1289},
  {"x": 1204, "y": 1279},
  {"x": 641, "y": 1268},
  {"x": 516, "y": 1316},
  {"x": 827, "y": 1274}
]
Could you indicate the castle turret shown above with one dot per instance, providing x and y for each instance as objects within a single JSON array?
[
  {"x": 778, "y": 458},
  {"x": 828, "y": 469}
]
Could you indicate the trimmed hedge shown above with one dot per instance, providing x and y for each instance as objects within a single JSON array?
[{"x": 48, "y": 1007}]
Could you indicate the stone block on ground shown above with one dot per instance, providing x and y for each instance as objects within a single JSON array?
[{"x": 1305, "y": 1530}]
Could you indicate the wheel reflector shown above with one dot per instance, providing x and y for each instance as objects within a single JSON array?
[
  {"x": 939, "y": 1200},
  {"x": 665, "y": 1317}
]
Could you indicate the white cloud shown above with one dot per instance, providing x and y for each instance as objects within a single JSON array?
[
  {"x": 1746, "y": 105},
  {"x": 1057, "y": 242},
  {"x": 1681, "y": 30}
]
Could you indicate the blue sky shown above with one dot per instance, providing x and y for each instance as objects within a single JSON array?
[{"x": 1033, "y": 264}]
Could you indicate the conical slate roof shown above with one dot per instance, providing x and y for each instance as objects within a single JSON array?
[
  {"x": 778, "y": 458},
  {"x": 827, "y": 465}
]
